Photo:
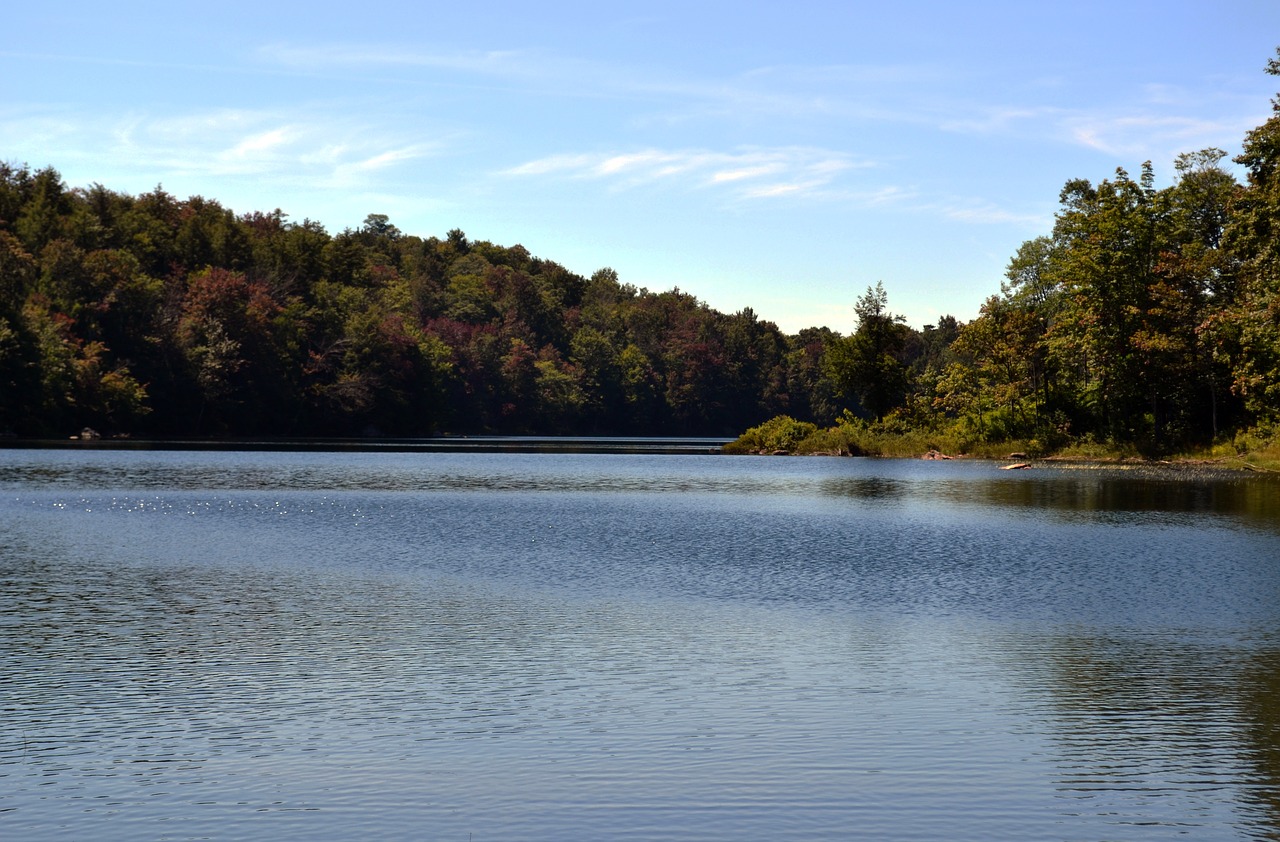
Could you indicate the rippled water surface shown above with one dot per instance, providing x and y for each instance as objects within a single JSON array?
[{"x": 494, "y": 646}]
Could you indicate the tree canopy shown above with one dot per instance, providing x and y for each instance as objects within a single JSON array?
[{"x": 153, "y": 315}]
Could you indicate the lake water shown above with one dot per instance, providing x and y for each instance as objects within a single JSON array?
[{"x": 498, "y": 646}]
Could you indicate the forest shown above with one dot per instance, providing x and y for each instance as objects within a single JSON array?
[
  {"x": 1146, "y": 318},
  {"x": 154, "y": 316}
]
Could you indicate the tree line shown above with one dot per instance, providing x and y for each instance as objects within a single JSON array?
[
  {"x": 1148, "y": 317},
  {"x": 149, "y": 315}
]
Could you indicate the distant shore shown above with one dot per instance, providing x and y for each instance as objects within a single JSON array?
[{"x": 428, "y": 444}]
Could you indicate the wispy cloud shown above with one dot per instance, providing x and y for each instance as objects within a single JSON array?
[
  {"x": 876, "y": 75},
  {"x": 262, "y": 144},
  {"x": 984, "y": 212},
  {"x": 997, "y": 120},
  {"x": 887, "y": 196},
  {"x": 752, "y": 93},
  {"x": 747, "y": 173},
  {"x": 322, "y": 57},
  {"x": 919, "y": 96},
  {"x": 781, "y": 189},
  {"x": 352, "y": 172},
  {"x": 1148, "y": 121},
  {"x": 537, "y": 71},
  {"x": 1132, "y": 135},
  {"x": 274, "y": 146}
]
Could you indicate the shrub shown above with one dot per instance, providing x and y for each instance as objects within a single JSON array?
[
  {"x": 781, "y": 433},
  {"x": 832, "y": 441}
]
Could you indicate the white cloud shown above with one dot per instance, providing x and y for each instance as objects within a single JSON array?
[
  {"x": 354, "y": 172},
  {"x": 995, "y": 119},
  {"x": 1149, "y": 137},
  {"x": 656, "y": 163},
  {"x": 982, "y": 212},
  {"x": 748, "y": 173},
  {"x": 773, "y": 191},
  {"x": 550, "y": 164},
  {"x": 276, "y": 146},
  {"x": 882, "y": 197},
  {"x": 325, "y": 56},
  {"x": 742, "y": 173},
  {"x": 519, "y": 68},
  {"x": 843, "y": 92},
  {"x": 390, "y": 158},
  {"x": 262, "y": 143}
]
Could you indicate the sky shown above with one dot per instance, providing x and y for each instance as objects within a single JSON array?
[{"x": 777, "y": 156}]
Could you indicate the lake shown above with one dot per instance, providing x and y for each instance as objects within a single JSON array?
[{"x": 559, "y": 646}]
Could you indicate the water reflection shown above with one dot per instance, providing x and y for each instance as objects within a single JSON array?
[
  {"x": 1077, "y": 491},
  {"x": 1069, "y": 491},
  {"x": 868, "y": 488},
  {"x": 1138, "y": 720},
  {"x": 1260, "y": 709}
]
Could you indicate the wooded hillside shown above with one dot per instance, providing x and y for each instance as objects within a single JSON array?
[{"x": 153, "y": 315}]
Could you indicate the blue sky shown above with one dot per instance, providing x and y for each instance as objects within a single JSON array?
[{"x": 778, "y": 156}]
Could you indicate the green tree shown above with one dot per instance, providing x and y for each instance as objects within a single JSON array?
[
  {"x": 1003, "y": 351},
  {"x": 599, "y": 378},
  {"x": 1183, "y": 335},
  {"x": 868, "y": 366},
  {"x": 1106, "y": 251},
  {"x": 639, "y": 382},
  {"x": 44, "y": 212},
  {"x": 19, "y": 357},
  {"x": 1252, "y": 325}
]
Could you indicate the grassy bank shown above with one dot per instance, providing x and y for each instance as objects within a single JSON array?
[{"x": 1256, "y": 450}]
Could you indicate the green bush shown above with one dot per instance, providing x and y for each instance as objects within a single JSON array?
[
  {"x": 832, "y": 441},
  {"x": 779, "y": 434}
]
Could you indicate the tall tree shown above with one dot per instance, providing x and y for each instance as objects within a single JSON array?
[
  {"x": 1253, "y": 235},
  {"x": 868, "y": 366},
  {"x": 1106, "y": 256}
]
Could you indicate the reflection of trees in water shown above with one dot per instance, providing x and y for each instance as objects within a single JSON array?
[
  {"x": 866, "y": 488},
  {"x": 1143, "y": 720},
  {"x": 1069, "y": 493},
  {"x": 1115, "y": 491},
  {"x": 1081, "y": 491},
  {"x": 1260, "y": 697}
]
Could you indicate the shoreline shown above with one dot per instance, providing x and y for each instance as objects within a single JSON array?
[
  {"x": 670, "y": 445},
  {"x": 1021, "y": 461}
]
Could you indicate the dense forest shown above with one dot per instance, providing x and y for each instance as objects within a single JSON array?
[
  {"x": 154, "y": 316},
  {"x": 1147, "y": 317}
]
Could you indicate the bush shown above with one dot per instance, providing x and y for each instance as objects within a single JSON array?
[
  {"x": 779, "y": 434},
  {"x": 833, "y": 441}
]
